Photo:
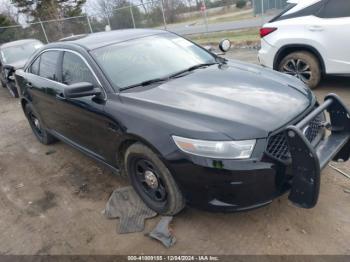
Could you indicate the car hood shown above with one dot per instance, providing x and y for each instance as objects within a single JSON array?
[
  {"x": 18, "y": 64},
  {"x": 237, "y": 99}
]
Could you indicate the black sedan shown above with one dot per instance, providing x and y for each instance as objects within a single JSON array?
[
  {"x": 185, "y": 125},
  {"x": 13, "y": 56}
]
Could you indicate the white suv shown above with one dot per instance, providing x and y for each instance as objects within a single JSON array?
[{"x": 310, "y": 39}]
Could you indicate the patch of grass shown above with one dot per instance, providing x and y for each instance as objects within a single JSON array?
[
  {"x": 233, "y": 17},
  {"x": 236, "y": 37}
]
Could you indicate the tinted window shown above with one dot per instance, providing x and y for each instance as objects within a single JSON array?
[
  {"x": 34, "y": 69},
  {"x": 48, "y": 64},
  {"x": 313, "y": 9},
  {"x": 74, "y": 70},
  {"x": 336, "y": 8}
]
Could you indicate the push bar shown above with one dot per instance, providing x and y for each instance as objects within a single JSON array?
[{"x": 307, "y": 160}]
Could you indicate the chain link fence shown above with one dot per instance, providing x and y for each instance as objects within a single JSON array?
[{"x": 185, "y": 17}]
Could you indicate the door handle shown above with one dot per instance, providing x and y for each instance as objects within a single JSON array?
[
  {"x": 29, "y": 85},
  {"x": 316, "y": 28},
  {"x": 60, "y": 97}
]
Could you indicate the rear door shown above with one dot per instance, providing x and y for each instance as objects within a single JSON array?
[{"x": 333, "y": 28}]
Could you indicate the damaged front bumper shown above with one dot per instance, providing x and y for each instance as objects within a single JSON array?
[
  {"x": 239, "y": 185},
  {"x": 307, "y": 161}
]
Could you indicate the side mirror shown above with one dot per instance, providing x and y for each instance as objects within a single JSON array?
[
  {"x": 81, "y": 90},
  {"x": 225, "y": 45}
]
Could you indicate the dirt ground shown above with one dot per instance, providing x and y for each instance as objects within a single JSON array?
[{"x": 51, "y": 198}]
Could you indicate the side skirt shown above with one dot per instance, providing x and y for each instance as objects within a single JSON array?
[{"x": 84, "y": 150}]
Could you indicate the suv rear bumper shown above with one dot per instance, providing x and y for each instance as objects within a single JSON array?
[{"x": 266, "y": 55}]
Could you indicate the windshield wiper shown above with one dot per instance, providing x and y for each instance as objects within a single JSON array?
[
  {"x": 157, "y": 80},
  {"x": 192, "y": 68},
  {"x": 145, "y": 83}
]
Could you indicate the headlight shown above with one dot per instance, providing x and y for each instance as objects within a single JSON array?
[{"x": 216, "y": 149}]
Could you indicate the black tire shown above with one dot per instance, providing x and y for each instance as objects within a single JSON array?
[
  {"x": 304, "y": 66},
  {"x": 35, "y": 123},
  {"x": 165, "y": 198}
]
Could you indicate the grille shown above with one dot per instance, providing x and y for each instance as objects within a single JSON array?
[{"x": 277, "y": 146}]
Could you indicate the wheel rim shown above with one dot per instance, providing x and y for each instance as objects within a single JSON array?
[
  {"x": 298, "y": 68},
  {"x": 35, "y": 123},
  {"x": 148, "y": 180}
]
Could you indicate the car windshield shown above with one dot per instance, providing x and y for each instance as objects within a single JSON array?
[
  {"x": 19, "y": 52},
  {"x": 155, "y": 57}
]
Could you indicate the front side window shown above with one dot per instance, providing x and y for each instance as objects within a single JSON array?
[
  {"x": 336, "y": 9},
  {"x": 132, "y": 62},
  {"x": 74, "y": 70},
  {"x": 17, "y": 53},
  {"x": 48, "y": 65},
  {"x": 35, "y": 67}
]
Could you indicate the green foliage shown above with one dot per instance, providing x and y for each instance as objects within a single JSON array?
[
  {"x": 49, "y": 9},
  {"x": 241, "y": 3},
  {"x": 43, "y": 10},
  {"x": 122, "y": 18},
  {"x": 6, "y": 34}
]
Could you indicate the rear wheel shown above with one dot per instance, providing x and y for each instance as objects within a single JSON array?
[
  {"x": 302, "y": 65},
  {"x": 40, "y": 133},
  {"x": 152, "y": 180}
]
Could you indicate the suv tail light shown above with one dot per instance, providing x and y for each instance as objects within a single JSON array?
[{"x": 266, "y": 31}]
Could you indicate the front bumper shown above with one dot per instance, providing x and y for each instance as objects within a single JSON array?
[
  {"x": 11, "y": 86},
  {"x": 236, "y": 185}
]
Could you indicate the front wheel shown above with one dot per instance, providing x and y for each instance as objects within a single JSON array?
[
  {"x": 302, "y": 65},
  {"x": 152, "y": 180}
]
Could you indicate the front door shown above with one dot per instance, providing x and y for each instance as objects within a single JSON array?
[{"x": 82, "y": 120}]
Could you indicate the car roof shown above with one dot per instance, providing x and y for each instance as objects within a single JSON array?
[
  {"x": 97, "y": 40},
  {"x": 18, "y": 42}
]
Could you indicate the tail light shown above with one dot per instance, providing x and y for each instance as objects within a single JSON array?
[{"x": 266, "y": 31}]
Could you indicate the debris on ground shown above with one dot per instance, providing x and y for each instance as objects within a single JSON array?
[
  {"x": 20, "y": 185},
  {"x": 339, "y": 171},
  {"x": 163, "y": 232},
  {"x": 126, "y": 205},
  {"x": 82, "y": 189},
  {"x": 347, "y": 191},
  {"x": 50, "y": 152}
]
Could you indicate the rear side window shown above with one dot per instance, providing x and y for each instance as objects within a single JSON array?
[
  {"x": 75, "y": 70},
  {"x": 313, "y": 9},
  {"x": 336, "y": 9},
  {"x": 48, "y": 65}
]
